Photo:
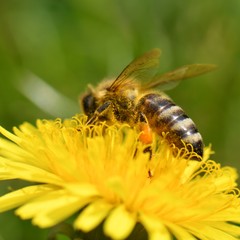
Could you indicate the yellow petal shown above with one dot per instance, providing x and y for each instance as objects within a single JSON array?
[
  {"x": 52, "y": 208},
  {"x": 179, "y": 232},
  {"x": 82, "y": 189},
  {"x": 24, "y": 171},
  {"x": 92, "y": 215},
  {"x": 18, "y": 197},
  {"x": 12, "y": 151},
  {"x": 206, "y": 232},
  {"x": 9, "y": 135},
  {"x": 115, "y": 184},
  {"x": 234, "y": 230},
  {"x": 227, "y": 179},
  {"x": 120, "y": 223},
  {"x": 161, "y": 234},
  {"x": 155, "y": 227}
]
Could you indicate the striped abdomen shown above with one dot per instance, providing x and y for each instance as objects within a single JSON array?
[{"x": 165, "y": 116}]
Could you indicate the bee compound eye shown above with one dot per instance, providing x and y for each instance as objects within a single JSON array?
[{"x": 89, "y": 104}]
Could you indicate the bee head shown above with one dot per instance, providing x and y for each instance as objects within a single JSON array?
[
  {"x": 94, "y": 97},
  {"x": 89, "y": 103}
]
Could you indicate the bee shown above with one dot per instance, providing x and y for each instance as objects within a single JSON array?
[{"x": 131, "y": 98}]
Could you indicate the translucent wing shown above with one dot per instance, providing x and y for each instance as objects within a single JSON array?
[
  {"x": 142, "y": 68},
  {"x": 179, "y": 74}
]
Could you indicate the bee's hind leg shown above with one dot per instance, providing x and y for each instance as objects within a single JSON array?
[
  {"x": 148, "y": 149},
  {"x": 146, "y": 136}
]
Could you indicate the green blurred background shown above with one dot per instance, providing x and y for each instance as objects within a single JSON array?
[{"x": 51, "y": 49}]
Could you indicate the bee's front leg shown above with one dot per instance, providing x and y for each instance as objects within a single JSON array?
[{"x": 102, "y": 113}]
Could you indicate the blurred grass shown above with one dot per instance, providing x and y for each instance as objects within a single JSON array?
[{"x": 69, "y": 44}]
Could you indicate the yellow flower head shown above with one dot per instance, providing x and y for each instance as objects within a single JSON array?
[{"x": 102, "y": 175}]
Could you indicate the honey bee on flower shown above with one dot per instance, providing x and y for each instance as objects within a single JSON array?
[{"x": 131, "y": 98}]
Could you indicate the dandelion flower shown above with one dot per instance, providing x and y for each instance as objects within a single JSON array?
[{"x": 101, "y": 176}]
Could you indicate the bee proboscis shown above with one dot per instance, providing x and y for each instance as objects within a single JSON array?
[{"x": 131, "y": 98}]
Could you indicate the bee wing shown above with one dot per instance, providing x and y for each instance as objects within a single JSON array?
[
  {"x": 143, "y": 67},
  {"x": 171, "y": 78}
]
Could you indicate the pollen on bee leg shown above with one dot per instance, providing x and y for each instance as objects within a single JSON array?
[{"x": 146, "y": 135}]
